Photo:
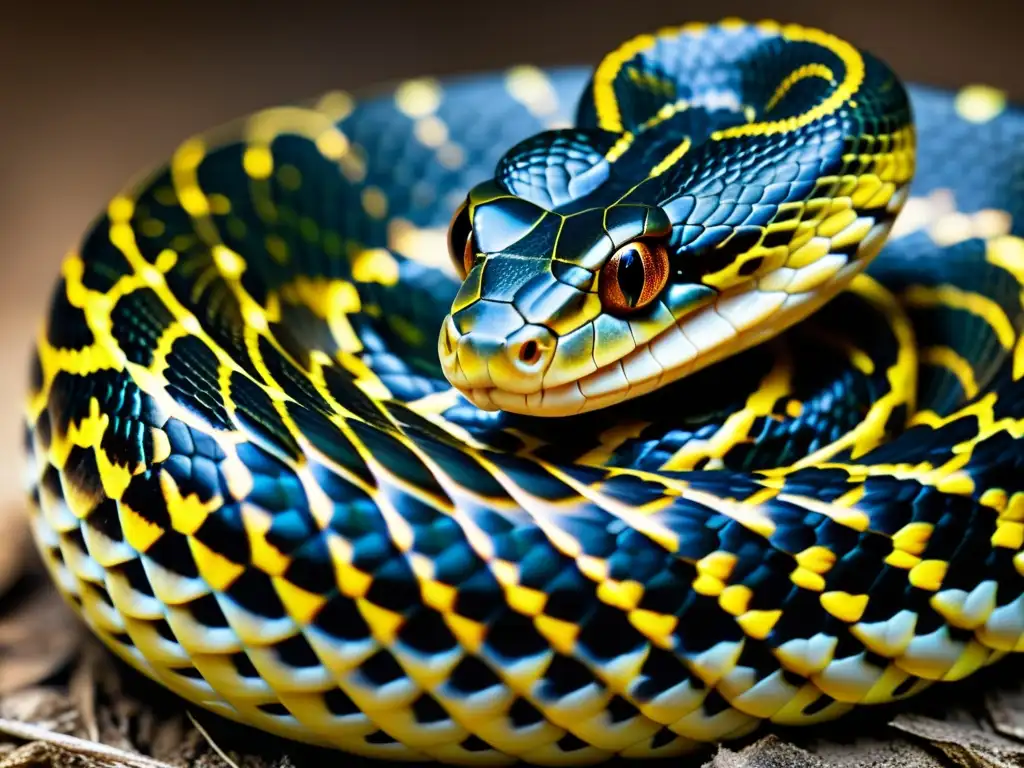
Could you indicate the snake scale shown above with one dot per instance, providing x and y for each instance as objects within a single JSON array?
[{"x": 553, "y": 415}]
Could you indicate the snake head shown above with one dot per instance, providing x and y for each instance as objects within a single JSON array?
[
  {"x": 558, "y": 313},
  {"x": 593, "y": 275}
]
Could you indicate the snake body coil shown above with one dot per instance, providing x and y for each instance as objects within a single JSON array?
[{"x": 292, "y": 461}]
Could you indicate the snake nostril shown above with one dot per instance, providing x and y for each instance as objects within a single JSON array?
[
  {"x": 529, "y": 353},
  {"x": 449, "y": 339}
]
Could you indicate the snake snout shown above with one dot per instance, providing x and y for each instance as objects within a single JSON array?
[{"x": 491, "y": 346}]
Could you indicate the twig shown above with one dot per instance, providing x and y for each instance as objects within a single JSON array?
[
  {"x": 82, "y": 691},
  {"x": 211, "y": 742},
  {"x": 29, "y": 732}
]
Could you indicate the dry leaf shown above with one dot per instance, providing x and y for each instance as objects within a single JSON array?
[
  {"x": 966, "y": 746},
  {"x": 42, "y": 755},
  {"x": 880, "y": 751},
  {"x": 1006, "y": 710}
]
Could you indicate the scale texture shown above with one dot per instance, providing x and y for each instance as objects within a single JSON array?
[{"x": 281, "y": 462}]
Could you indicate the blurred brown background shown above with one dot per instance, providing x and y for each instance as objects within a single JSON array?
[{"x": 93, "y": 92}]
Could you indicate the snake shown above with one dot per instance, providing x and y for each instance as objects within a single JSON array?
[{"x": 552, "y": 415}]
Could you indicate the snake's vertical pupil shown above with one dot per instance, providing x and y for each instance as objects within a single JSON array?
[
  {"x": 634, "y": 276},
  {"x": 631, "y": 275}
]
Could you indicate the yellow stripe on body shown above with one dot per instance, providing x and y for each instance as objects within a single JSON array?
[
  {"x": 1008, "y": 252},
  {"x": 607, "y": 105},
  {"x": 925, "y": 297},
  {"x": 844, "y": 91},
  {"x": 952, "y": 361},
  {"x": 627, "y": 138},
  {"x": 670, "y": 159},
  {"x": 609, "y": 116},
  {"x": 813, "y": 69}
]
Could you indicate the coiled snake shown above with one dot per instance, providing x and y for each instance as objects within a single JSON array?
[{"x": 293, "y": 462}]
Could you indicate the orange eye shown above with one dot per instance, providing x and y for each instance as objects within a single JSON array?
[
  {"x": 633, "y": 277},
  {"x": 460, "y": 241}
]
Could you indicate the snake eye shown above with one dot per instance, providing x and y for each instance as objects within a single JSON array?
[
  {"x": 633, "y": 277},
  {"x": 460, "y": 241}
]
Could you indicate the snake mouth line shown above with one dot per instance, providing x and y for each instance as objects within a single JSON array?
[
  {"x": 710, "y": 334},
  {"x": 733, "y": 322}
]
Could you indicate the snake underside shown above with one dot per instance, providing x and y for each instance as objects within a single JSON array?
[{"x": 597, "y": 488}]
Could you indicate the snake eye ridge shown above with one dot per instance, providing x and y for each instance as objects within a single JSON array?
[
  {"x": 460, "y": 241},
  {"x": 633, "y": 277}
]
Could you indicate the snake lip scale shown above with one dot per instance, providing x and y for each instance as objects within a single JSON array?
[{"x": 552, "y": 415}]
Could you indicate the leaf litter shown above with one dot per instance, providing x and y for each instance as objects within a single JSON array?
[{"x": 65, "y": 702}]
